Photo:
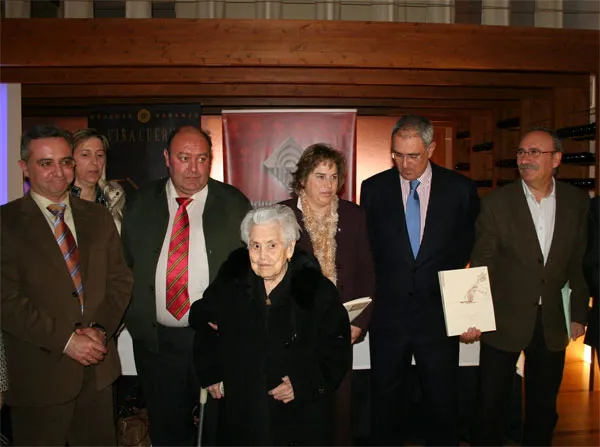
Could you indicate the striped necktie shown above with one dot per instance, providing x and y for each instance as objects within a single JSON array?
[
  {"x": 413, "y": 217},
  {"x": 178, "y": 298},
  {"x": 68, "y": 247}
]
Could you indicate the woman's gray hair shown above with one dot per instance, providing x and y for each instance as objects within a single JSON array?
[{"x": 281, "y": 214}]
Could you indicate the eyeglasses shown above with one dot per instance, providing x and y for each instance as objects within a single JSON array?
[
  {"x": 409, "y": 157},
  {"x": 533, "y": 153},
  {"x": 46, "y": 163}
]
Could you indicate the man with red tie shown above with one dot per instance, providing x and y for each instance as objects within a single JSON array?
[
  {"x": 176, "y": 234},
  {"x": 64, "y": 289}
]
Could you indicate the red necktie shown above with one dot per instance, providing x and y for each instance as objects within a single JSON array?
[
  {"x": 68, "y": 247},
  {"x": 178, "y": 297}
]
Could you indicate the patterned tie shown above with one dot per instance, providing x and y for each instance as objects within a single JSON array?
[
  {"x": 413, "y": 217},
  {"x": 178, "y": 297},
  {"x": 68, "y": 247}
]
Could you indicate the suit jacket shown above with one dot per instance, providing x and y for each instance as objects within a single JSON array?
[
  {"x": 353, "y": 258},
  {"x": 507, "y": 244},
  {"x": 145, "y": 223},
  {"x": 408, "y": 292},
  {"x": 40, "y": 307}
]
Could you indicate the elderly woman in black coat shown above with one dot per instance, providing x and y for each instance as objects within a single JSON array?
[{"x": 272, "y": 339}]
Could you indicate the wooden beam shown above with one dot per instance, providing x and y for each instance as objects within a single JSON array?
[
  {"x": 266, "y": 90},
  {"x": 266, "y": 102},
  {"x": 287, "y": 75},
  {"x": 294, "y": 43}
]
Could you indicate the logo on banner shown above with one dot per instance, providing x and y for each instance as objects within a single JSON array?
[
  {"x": 144, "y": 116},
  {"x": 281, "y": 164}
]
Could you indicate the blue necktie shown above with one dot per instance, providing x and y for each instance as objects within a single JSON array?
[{"x": 413, "y": 217}]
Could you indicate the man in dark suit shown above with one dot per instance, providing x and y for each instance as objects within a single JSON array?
[
  {"x": 531, "y": 235},
  {"x": 176, "y": 233},
  {"x": 65, "y": 287},
  {"x": 420, "y": 219}
]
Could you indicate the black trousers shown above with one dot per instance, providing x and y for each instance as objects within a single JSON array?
[
  {"x": 437, "y": 370},
  {"x": 171, "y": 389},
  {"x": 543, "y": 375}
]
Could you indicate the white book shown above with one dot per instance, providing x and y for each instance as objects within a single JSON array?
[
  {"x": 356, "y": 307},
  {"x": 467, "y": 300}
]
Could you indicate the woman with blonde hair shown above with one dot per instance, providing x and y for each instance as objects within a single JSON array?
[{"x": 89, "y": 151}]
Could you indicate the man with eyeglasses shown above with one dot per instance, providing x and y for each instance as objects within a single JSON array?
[
  {"x": 421, "y": 220},
  {"x": 531, "y": 234},
  {"x": 64, "y": 289}
]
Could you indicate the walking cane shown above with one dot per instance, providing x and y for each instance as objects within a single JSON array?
[{"x": 203, "y": 398}]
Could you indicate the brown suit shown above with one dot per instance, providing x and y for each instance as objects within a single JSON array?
[
  {"x": 40, "y": 308},
  {"x": 508, "y": 244}
]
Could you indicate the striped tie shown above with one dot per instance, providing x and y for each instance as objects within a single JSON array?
[
  {"x": 178, "y": 298},
  {"x": 68, "y": 247}
]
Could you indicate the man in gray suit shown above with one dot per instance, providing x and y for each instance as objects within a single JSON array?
[
  {"x": 531, "y": 236},
  {"x": 176, "y": 233}
]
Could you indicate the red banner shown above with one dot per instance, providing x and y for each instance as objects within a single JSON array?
[{"x": 261, "y": 148}]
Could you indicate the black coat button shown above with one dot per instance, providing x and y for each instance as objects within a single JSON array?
[{"x": 75, "y": 295}]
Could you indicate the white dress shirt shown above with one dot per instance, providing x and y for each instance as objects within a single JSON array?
[
  {"x": 43, "y": 203},
  {"x": 543, "y": 214},
  {"x": 197, "y": 258},
  {"x": 423, "y": 190}
]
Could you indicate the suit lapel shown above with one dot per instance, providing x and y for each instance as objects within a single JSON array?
[
  {"x": 37, "y": 227},
  {"x": 562, "y": 221},
  {"x": 158, "y": 220},
  {"x": 85, "y": 235},
  {"x": 212, "y": 198},
  {"x": 432, "y": 220},
  {"x": 398, "y": 217},
  {"x": 526, "y": 236}
]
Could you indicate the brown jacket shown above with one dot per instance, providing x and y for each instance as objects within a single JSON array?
[
  {"x": 39, "y": 305},
  {"x": 507, "y": 243}
]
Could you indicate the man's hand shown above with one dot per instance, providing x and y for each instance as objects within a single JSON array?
[
  {"x": 355, "y": 332},
  {"x": 471, "y": 336},
  {"x": 577, "y": 330},
  {"x": 216, "y": 391},
  {"x": 94, "y": 333},
  {"x": 85, "y": 350},
  {"x": 283, "y": 392}
]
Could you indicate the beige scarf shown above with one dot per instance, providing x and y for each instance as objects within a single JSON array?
[{"x": 322, "y": 231}]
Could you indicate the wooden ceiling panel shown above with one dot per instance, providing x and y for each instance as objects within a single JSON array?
[{"x": 294, "y": 43}]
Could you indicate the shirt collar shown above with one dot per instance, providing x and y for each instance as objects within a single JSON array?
[
  {"x": 424, "y": 179},
  {"x": 172, "y": 193},
  {"x": 42, "y": 202},
  {"x": 529, "y": 194}
]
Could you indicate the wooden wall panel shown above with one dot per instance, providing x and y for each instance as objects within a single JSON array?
[{"x": 164, "y": 42}]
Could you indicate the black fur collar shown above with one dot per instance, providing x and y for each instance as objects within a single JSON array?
[{"x": 304, "y": 269}]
